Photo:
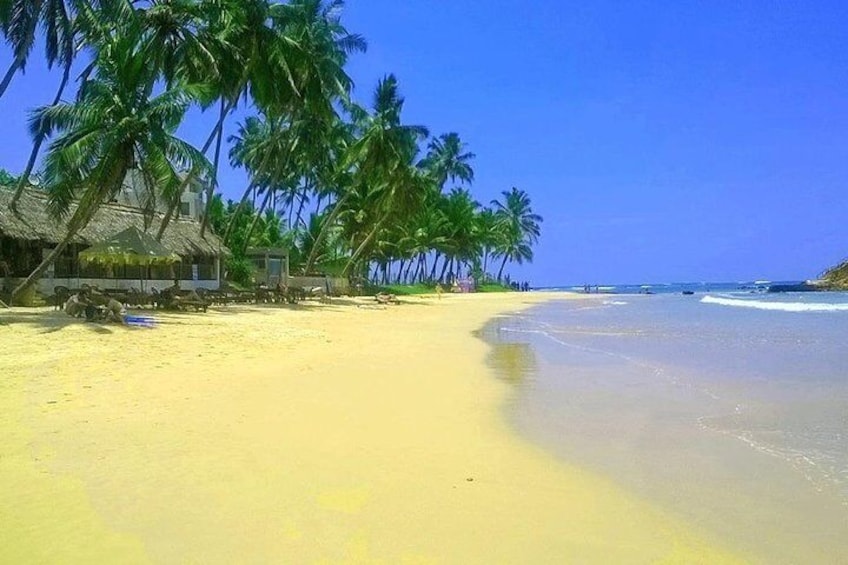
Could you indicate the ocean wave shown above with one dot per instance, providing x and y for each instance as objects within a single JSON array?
[
  {"x": 776, "y": 306},
  {"x": 615, "y": 303}
]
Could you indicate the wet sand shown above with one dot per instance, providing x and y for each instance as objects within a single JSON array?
[{"x": 334, "y": 433}]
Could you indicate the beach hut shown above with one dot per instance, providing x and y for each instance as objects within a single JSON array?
[{"x": 28, "y": 234}]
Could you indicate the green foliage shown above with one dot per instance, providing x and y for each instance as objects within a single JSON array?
[
  {"x": 494, "y": 287},
  {"x": 347, "y": 190},
  {"x": 7, "y": 179},
  {"x": 240, "y": 270}
]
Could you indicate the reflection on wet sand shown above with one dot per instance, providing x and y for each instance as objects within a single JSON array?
[{"x": 514, "y": 362}]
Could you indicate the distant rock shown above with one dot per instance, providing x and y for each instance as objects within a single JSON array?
[{"x": 836, "y": 278}]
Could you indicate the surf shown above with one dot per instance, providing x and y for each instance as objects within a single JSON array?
[{"x": 776, "y": 306}]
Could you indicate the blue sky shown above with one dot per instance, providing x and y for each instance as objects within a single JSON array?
[{"x": 661, "y": 141}]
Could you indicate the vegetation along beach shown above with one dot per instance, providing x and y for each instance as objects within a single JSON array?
[{"x": 308, "y": 281}]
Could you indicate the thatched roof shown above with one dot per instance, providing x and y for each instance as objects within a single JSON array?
[{"x": 33, "y": 223}]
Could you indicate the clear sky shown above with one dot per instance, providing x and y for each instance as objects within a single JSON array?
[{"x": 661, "y": 141}]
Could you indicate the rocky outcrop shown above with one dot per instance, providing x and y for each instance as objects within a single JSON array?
[{"x": 836, "y": 278}]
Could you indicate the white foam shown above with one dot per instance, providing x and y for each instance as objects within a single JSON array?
[
  {"x": 615, "y": 303},
  {"x": 776, "y": 306}
]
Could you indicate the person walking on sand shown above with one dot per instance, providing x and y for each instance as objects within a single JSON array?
[{"x": 439, "y": 290}]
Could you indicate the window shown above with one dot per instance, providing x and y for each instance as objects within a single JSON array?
[{"x": 185, "y": 209}]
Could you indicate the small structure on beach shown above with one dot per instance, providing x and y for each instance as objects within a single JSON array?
[
  {"x": 28, "y": 235},
  {"x": 270, "y": 264}
]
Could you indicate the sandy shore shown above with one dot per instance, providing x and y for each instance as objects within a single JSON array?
[{"x": 329, "y": 433}]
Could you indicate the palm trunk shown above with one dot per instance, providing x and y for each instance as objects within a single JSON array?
[
  {"x": 422, "y": 268},
  {"x": 435, "y": 265},
  {"x": 362, "y": 247},
  {"x": 408, "y": 269},
  {"x": 189, "y": 177},
  {"x": 444, "y": 269},
  {"x": 325, "y": 229},
  {"x": 257, "y": 218},
  {"x": 39, "y": 139},
  {"x": 166, "y": 220},
  {"x": 291, "y": 209},
  {"x": 259, "y": 171},
  {"x": 236, "y": 214},
  {"x": 13, "y": 69},
  {"x": 213, "y": 182},
  {"x": 400, "y": 270},
  {"x": 36, "y": 274},
  {"x": 299, "y": 216},
  {"x": 503, "y": 264}
]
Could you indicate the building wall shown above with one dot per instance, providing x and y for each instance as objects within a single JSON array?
[
  {"x": 131, "y": 195},
  {"x": 334, "y": 285},
  {"x": 49, "y": 281}
]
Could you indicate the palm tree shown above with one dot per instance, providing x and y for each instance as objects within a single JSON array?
[
  {"x": 181, "y": 42},
  {"x": 386, "y": 178},
  {"x": 487, "y": 230},
  {"x": 20, "y": 21},
  {"x": 447, "y": 159},
  {"x": 112, "y": 128},
  {"x": 518, "y": 227},
  {"x": 92, "y": 26},
  {"x": 177, "y": 40},
  {"x": 289, "y": 57}
]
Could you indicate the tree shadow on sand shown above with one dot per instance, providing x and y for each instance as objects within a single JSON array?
[{"x": 51, "y": 321}]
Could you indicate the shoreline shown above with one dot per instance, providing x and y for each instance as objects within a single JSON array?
[{"x": 324, "y": 432}]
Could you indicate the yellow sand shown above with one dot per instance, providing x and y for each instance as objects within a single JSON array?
[{"x": 327, "y": 433}]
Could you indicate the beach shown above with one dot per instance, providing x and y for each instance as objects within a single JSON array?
[{"x": 340, "y": 432}]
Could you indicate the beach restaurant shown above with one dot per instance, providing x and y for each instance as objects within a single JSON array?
[{"x": 28, "y": 235}]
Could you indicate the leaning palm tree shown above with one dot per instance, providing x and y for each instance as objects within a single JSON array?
[
  {"x": 20, "y": 21},
  {"x": 91, "y": 24},
  {"x": 267, "y": 148},
  {"x": 111, "y": 129},
  {"x": 289, "y": 57},
  {"x": 518, "y": 227}
]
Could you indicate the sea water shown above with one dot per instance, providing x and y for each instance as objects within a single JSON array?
[{"x": 728, "y": 409}]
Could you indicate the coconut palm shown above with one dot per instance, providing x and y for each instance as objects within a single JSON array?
[
  {"x": 289, "y": 57},
  {"x": 267, "y": 148},
  {"x": 383, "y": 155},
  {"x": 518, "y": 227},
  {"x": 93, "y": 24},
  {"x": 20, "y": 21},
  {"x": 447, "y": 159},
  {"x": 177, "y": 40},
  {"x": 112, "y": 128}
]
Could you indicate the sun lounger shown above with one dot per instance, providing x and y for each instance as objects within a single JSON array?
[{"x": 386, "y": 298}]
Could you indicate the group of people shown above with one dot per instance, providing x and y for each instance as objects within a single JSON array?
[{"x": 95, "y": 305}]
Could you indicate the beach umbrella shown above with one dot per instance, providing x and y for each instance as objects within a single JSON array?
[{"x": 129, "y": 247}]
